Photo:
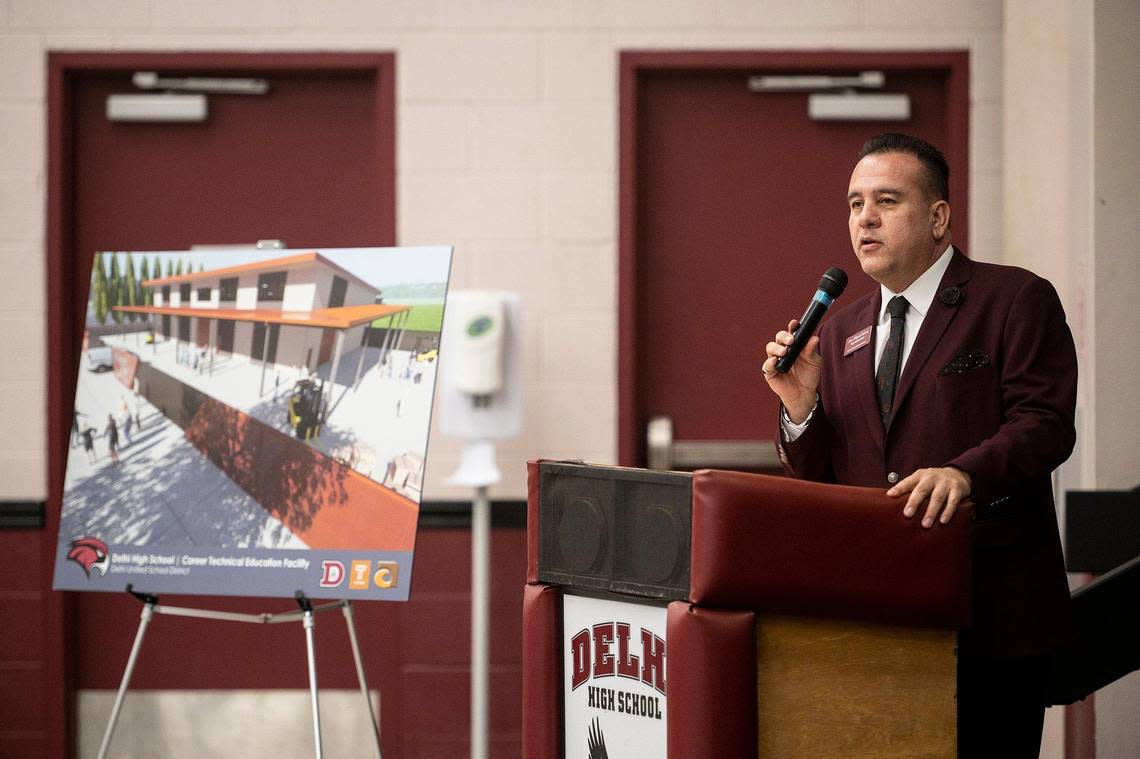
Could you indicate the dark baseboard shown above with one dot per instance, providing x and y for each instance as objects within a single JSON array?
[
  {"x": 21, "y": 515},
  {"x": 456, "y": 515}
]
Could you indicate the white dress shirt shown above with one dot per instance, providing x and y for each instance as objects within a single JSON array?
[{"x": 919, "y": 295}]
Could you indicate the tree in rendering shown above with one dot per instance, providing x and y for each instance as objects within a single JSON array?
[
  {"x": 115, "y": 289},
  {"x": 144, "y": 275},
  {"x": 99, "y": 289},
  {"x": 130, "y": 292}
]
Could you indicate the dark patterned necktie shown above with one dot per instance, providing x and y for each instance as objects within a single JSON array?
[{"x": 887, "y": 376}]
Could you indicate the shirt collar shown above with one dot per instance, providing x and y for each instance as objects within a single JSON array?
[{"x": 920, "y": 294}]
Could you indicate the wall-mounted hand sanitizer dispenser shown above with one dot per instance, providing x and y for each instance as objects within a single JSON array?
[
  {"x": 481, "y": 365},
  {"x": 476, "y": 356}
]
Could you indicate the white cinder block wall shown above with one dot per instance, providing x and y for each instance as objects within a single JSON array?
[{"x": 507, "y": 148}]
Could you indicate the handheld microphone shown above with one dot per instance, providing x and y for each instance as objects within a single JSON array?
[{"x": 831, "y": 286}]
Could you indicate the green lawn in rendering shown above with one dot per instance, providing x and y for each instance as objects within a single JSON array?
[{"x": 427, "y": 318}]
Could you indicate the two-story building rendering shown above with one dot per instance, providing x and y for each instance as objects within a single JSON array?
[{"x": 298, "y": 312}]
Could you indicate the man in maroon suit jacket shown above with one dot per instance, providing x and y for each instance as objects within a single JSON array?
[{"x": 965, "y": 393}]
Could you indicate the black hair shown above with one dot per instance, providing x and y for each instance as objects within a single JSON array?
[{"x": 933, "y": 162}]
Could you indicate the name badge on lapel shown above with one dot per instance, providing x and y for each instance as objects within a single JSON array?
[{"x": 857, "y": 341}]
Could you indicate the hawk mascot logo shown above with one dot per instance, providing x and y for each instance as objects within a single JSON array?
[
  {"x": 596, "y": 742},
  {"x": 90, "y": 553}
]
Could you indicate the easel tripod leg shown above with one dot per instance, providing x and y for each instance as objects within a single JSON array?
[
  {"x": 308, "y": 623},
  {"x": 351, "y": 624},
  {"x": 146, "y": 616}
]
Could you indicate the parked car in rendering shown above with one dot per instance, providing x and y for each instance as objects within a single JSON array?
[{"x": 99, "y": 358}]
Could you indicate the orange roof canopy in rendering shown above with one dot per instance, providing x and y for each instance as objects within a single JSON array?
[{"x": 343, "y": 317}]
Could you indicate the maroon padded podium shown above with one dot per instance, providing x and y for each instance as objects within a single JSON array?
[{"x": 801, "y": 619}]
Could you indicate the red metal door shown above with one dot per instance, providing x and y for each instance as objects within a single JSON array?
[
  {"x": 311, "y": 163},
  {"x": 732, "y": 206}
]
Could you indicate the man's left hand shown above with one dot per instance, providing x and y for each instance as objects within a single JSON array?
[{"x": 939, "y": 490}]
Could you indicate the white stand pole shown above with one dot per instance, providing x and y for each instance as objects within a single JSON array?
[
  {"x": 480, "y": 600},
  {"x": 481, "y": 401},
  {"x": 147, "y": 615},
  {"x": 477, "y": 468}
]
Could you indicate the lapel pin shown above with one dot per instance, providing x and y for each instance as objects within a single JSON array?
[{"x": 950, "y": 295}]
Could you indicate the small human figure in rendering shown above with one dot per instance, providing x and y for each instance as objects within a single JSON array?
[
  {"x": 127, "y": 422},
  {"x": 88, "y": 436},
  {"x": 136, "y": 408},
  {"x": 111, "y": 432}
]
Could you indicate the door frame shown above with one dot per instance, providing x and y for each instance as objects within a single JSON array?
[
  {"x": 633, "y": 66},
  {"x": 66, "y": 288}
]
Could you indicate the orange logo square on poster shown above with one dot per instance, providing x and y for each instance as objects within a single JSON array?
[
  {"x": 358, "y": 575},
  {"x": 387, "y": 574}
]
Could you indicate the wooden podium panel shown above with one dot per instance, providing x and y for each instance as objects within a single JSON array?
[{"x": 856, "y": 690}]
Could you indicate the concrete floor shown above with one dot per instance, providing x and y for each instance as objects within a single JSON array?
[{"x": 180, "y": 724}]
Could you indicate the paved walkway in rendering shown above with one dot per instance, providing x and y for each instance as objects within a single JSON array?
[
  {"x": 386, "y": 415},
  {"x": 163, "y": 491}
]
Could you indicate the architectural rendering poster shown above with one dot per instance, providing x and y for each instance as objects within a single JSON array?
[{"x": 252, "y": 422}]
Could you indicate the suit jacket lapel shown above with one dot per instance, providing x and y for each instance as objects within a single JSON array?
[
  {"x": 938, "y": 318},
  {"x": 863, "y": 370}
]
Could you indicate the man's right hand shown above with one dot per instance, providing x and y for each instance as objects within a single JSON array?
[{"x": 798, "y": 389}]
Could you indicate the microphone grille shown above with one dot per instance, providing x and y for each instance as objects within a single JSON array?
[{"x": 833, "y": 282}]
